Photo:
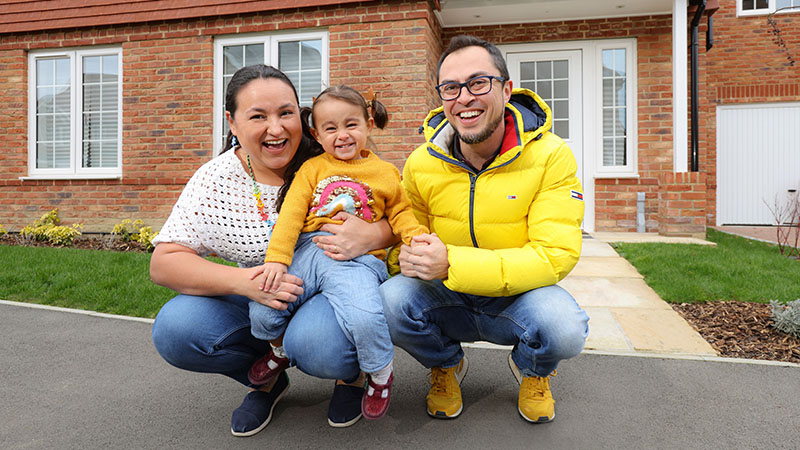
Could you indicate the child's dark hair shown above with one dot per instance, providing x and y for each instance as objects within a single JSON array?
[{"x": 372, "y": 107}]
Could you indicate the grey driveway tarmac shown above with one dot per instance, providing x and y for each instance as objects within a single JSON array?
[{"x": 72, "y": 381}]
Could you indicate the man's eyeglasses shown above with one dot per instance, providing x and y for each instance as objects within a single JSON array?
[{"x": 479, "y": 85}]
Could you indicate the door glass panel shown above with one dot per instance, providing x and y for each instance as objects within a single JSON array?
[
  {"x": 550, "y": 79},
  {"x": 614, "y": 107}
]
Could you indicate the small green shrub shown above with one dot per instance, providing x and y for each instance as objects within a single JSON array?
[
  {"x": 3, "y": 230},
  {"x": 47, "y": 229},
  {"x": 787, "y": 316},
  {"x": 135, "y": 231}
]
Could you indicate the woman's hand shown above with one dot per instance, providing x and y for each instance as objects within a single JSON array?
[
  {"x": 354, "y": 237},
  {"x": 181, "y": 269},
  {"x": 287, "y": 291}
]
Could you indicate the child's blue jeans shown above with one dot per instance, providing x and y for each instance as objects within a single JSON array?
[{"x": 351, "y": 287}]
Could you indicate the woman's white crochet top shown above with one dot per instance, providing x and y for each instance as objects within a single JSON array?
[{"x": 217, "y": 213}]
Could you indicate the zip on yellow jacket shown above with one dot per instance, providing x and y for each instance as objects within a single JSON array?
[{"x": 512, "y": 227}]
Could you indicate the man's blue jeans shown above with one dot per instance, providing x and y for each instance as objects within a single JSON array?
[
  {"x": 353, "y": 290},
  {"x": 429, "y": 321},
  {"x": 212, "y": 335}
]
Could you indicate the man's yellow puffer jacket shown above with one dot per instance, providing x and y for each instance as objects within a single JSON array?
[{"x": 513, "y": 226}]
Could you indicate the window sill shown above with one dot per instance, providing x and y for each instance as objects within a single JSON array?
[
  {"x": 606, "y": 175},
  {"x": 72, "y": 176}
]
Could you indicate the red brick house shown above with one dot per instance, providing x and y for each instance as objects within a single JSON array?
[{"x": 109, "y": 109}]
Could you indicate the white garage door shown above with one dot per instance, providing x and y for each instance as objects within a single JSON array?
[{"x": 758, "y": 158}]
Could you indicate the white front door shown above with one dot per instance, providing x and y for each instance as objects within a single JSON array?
[{"x": 556, "y": 77}]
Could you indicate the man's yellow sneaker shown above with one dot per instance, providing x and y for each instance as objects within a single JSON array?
[
  {"x": 444, "y": 398},
  {"x": 535, "y": 403}
]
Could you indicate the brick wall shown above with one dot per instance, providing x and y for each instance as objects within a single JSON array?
[
  {"x": 168, "y": 101},
  {"x": 748, "y": 64},
  {"x": 615, "y": 198},
  {"x": 682, "y": 204}
]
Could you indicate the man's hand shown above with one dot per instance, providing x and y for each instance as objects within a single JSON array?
[{"x": 425, "y": 258}]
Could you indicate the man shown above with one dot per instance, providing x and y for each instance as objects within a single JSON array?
[{"x": 499, "y": 193}]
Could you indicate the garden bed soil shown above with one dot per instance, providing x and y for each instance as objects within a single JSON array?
[
  {"x": 741, "y": 330},
  {"x": 104, "y": 242}
]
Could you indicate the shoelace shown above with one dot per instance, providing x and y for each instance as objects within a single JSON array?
[
  {"x": 440, "y": 381},
  {"x": 536, "y": 386}
]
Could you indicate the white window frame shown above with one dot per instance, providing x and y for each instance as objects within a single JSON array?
[
  {"x": 271, "y": 42},
  {"x": 74, "y": 171},
  {"x": 630, "y": 169},
  {"x": 764, "y": 11}
]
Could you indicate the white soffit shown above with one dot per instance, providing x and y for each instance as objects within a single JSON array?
[{"x": 456, "y": 13}]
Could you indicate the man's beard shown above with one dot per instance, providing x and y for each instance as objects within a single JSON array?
[{"x": 481, "y": 136}]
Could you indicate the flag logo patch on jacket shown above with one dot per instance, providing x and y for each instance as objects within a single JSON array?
[{"x": 576, "y": 195}]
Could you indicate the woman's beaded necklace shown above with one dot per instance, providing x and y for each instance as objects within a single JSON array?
[{"x": 257, "y": 194}]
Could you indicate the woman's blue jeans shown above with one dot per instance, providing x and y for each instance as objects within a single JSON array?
[
  {"x": 212, "y": 335},
  {"x": 429, "y": 321}
]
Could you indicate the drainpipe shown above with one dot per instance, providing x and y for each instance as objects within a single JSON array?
[{"x": 698, "y": 14}]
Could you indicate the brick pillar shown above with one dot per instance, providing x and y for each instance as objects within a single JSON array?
[{"x": 682, "y": 204}]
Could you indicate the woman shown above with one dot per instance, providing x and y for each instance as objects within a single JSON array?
[{"x": 228, "y": 208}]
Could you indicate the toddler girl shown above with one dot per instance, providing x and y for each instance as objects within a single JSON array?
[{"x": 347, "y": 177}]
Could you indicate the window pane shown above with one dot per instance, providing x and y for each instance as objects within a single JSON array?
[
  {"x": 614, "y": 107},
  {"x": 45, "y": 99},
  {"x": 310, "y": 85},
  {"x": 560, "y": 69},
  {"x": 561, "y": 128},
  {"x": 528, "y": 85},
  {"x": 527, "y": 71},
  {"x": 608, "y": 92},
  {"x": 110, "y": 69},
  {"x": 619, "y": 152},
  {"x": 619, "y": 122},
  {"x": 619, "y": 89},
  {"x": 561, "y": 89},
  {"x": 543, "y": 70},
  {"x": 91, "y": 97},
  {"x": 233, "y": 58},
  {"x": 110, "y": 98},
  {"x": 92, "y": 69},
  {"x": 608, "y": 122},
  {"x": 289, "y": 56},
  {"x": 63, "y": 72},
  {"x": 45, "y": 72},
  {"x": 301, "y": 61},
  {"x": 44, "y": 156},
  {"x": 619, "y": 62},
  {"x": 544, "y": 89},
  {"x": 747, "y": 4},
  {"x": 61, "y": 132},
  {"x": 253, "y": 54},
  {"x": 45, "y": 128},
  {"x": 560, "y": 109},
  {"x": 762, "y": 4},
  {"x": 109, "y": 127}
]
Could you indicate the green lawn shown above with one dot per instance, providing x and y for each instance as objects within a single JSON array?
[
  {"x": 736, "y": 269},
  {"x": 119, "y": 282},
  {"x": 104, "y": 281}
]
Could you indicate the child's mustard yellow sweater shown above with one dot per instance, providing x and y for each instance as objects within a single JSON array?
[{"x": 369, "y": 188}]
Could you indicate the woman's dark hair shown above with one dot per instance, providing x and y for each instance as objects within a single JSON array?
[
  {"x": 308, "y": 146},
  {"x": 371, "y": 108}
]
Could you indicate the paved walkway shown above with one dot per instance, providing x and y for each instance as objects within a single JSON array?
[{"x": 625, "y": 314}]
